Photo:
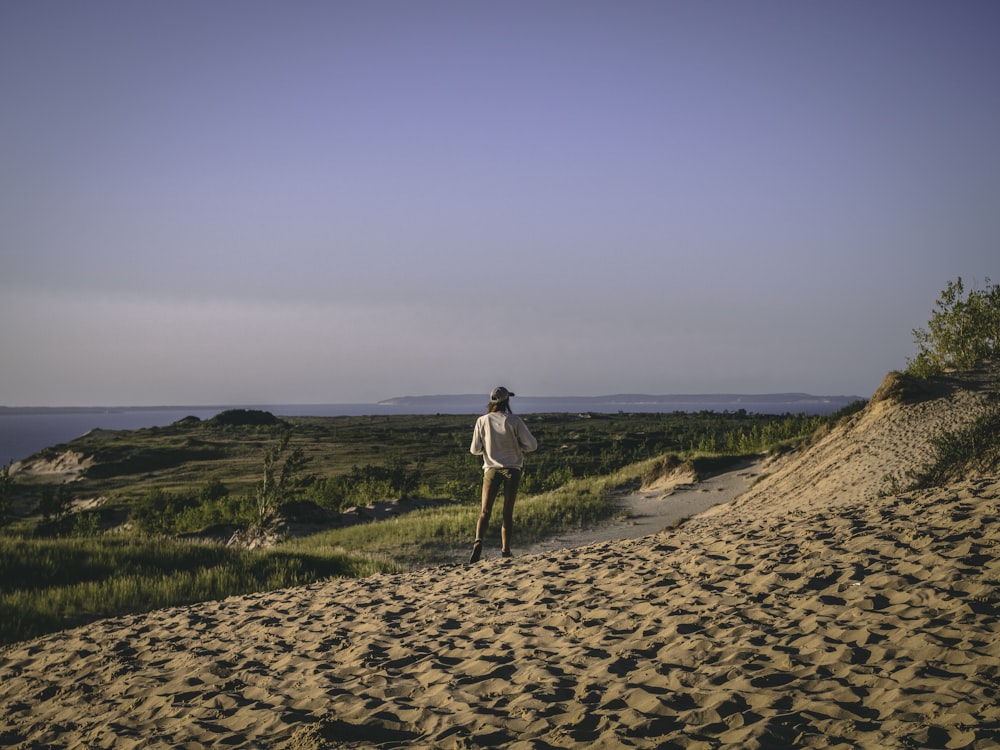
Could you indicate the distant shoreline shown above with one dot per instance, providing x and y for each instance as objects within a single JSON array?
[{"x": 530, "y": 404}]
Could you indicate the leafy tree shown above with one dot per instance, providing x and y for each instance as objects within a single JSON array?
[
  {"x": 279, "y": 482},
  {"x": 963, "y": 332}
]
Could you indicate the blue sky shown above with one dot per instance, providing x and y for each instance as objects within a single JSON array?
[{"x": 305, "y": 202}]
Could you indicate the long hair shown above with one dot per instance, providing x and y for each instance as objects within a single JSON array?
[{"x": 502, "y": 406}]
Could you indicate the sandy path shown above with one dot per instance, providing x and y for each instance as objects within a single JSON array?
[{"x": 651, "y": 511}]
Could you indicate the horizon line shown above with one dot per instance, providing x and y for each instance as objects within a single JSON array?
[{"x": 456, "y": 396}]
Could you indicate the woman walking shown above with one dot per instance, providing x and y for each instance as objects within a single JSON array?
[{"x": 502, "y": 439}]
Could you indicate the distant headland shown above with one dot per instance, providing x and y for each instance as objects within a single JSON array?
[{"x": 766, "y": 403}]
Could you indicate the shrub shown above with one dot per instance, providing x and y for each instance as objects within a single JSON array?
[
  {"x": 162, "y": 512},
  {"x": 364, "y": 485},
  {"x": 157, "y": 511},
  {"x": 278, "y": 486},
  {"x": 962, "y": 333},
  {"x": 965, "y": 452}
]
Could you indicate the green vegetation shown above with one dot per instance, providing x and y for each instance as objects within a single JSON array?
[
  {"x": 213, "y": 471},
  {"x": 441, "y": 534},
  {"x": 959, "y": 453},
  {"x": 138, "y": 525},
  {"x": 51, "y": 584},
  {"x": 963, "y": 332},
  {"x": 278, "y": 487}
]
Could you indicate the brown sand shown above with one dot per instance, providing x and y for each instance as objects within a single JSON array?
[{"x": 809, "y": 612}]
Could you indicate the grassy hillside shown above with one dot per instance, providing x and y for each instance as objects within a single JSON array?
[
  {"x": 127, "y": 521},
  {"x": 394, "y": 456}
]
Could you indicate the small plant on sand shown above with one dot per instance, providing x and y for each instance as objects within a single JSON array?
[
  {"x": 961, "y": 453},
  {"x": 892, "y": 485},
  {"x": 963, "y": 332}
]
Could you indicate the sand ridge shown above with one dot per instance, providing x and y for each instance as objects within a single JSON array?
[
  {"x": 778, "y": 620},
  {"x": 873, "y": 451}
]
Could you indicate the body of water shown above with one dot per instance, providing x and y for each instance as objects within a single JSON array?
[{"x": 25, "y": 431}]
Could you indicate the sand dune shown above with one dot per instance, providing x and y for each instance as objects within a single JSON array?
[{"x": 809, "y": 612}]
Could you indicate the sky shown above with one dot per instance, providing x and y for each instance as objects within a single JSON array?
[{"x": 247, "y": 202}]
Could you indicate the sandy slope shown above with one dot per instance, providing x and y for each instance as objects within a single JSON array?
[
  {"x": 860, "y": 458},
  {"x": 810, "y": 612}
]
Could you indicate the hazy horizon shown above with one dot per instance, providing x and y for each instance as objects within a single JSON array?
[
  {"x": 308, "y": 202},
  {"x": 427, "y": 397}
]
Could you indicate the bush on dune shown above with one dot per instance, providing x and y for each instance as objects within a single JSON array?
[{"x": 963, "y": 332}]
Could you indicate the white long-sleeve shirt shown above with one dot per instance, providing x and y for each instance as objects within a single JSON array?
[{"x": 502, "y": 440}]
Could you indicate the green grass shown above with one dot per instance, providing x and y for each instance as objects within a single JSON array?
[
  {"x": 433, "y": 535},
  {"x": 62, "y": 573},
  {"x": 52, "y": 584},
  {"x": 186, "y": 455}
]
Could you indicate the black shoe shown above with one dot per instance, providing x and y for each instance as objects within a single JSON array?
[
  {"x": 477, "y": 551},
  {"x": 506, "y": 553}
]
